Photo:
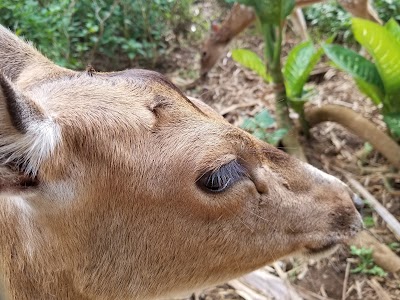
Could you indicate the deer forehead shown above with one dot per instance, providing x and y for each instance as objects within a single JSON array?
[{"x": 116, "y": 111}]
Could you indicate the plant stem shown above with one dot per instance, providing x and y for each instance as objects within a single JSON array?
[{"x": 273, "y": 35}]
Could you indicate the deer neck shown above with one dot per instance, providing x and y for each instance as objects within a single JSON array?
[{"x": 31, "y": 257}]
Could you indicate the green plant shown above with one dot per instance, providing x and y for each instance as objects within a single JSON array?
[
  {"x": 329, "y": 18},
  {"x": 379, "y": 80},
  {"x": 262, "y": 125},
  {"x": 366, "y": 264},
  {"x": 368, "y": 221},
  {"x": 296, "y": 71},
  {"x": 395, "y": 246},
  {"x": 115, "y": 33},
  {"x": 271, "y": 16},
  {"x": 387, "y": 9}
]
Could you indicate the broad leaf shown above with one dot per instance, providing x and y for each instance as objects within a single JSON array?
[
  {"x": 385, "y": 50},
  {"x": 271, "y": 11},
  {"x": 299, "y": 64},
  {"x": 372, "y": 91},
  {"x": 264, "y": 119},
  {"x": 274, "y": 137},
  {"x": 393, "y": 123},
  {"x": 394, "y": 28},
  {"x": 249, "y": 124},
  {"x": 363, "y": 71},
  {"x": 260, "y": 134},
  {"x": 251, "y": 60}
]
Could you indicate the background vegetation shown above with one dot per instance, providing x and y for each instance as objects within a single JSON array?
[
  {"x": 330, "y": 18},
  {"x": 121, "y": 32}
]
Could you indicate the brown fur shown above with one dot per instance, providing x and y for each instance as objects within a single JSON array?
[
  {"x": 116, "y": 212},
  {"x": 240, "y": 17}
]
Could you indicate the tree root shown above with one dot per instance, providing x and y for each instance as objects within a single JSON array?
[
  {"x": 359, "y": 126},
  {"x": 382, "y": 254}
]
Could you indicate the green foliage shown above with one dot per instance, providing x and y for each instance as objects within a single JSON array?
[
  {"x": 259, "y": 126},
  {"x": 252, "y": 61},
  {"x": 385, "y": 50},
  {"x": 330, "y": 17},
  {"x": 379, "y": 80},
  {"x": 299, "y": 64},
  {"x": 363, "y": 71},
  {"x": 368, "y": 221},
  {"x": 393, "y": 27},
  {"x": 366, "y": 264},
  {"x": 74, "y": 33},
  {"x": 296, "y": 71},
  {"x": 395, "y": 246},
  {"x": 387, "y": 9},
  {"x": 270, "y": 11},
  {"x": 393, "y": 122}
]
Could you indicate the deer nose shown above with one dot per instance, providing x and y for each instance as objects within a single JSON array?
[{"x": 358, "y": 203}]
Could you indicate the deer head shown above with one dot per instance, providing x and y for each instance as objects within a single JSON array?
[{"x": 117, "y": 186}]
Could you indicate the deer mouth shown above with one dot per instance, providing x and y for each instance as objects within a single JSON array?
[
  {"x": 322, "y": 251},
  {"x": 317, "y": 250}
]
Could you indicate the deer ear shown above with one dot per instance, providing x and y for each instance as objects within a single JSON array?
[
  {"x": 17, "y": 56},
  {"x": 215, "y": 26},
  {"x": 28, "y": 135}
]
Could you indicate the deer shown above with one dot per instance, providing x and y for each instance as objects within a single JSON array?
[
  {"x": 116, "y": 185},
  {"x": 240, "y": 17}
]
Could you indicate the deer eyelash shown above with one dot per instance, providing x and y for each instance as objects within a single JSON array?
[{"x": 223, "y": 177}]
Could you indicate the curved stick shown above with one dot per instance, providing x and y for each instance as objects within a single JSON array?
[{"x": 359, "y": 126}]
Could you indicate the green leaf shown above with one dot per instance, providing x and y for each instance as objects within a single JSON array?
[
  {"x": 260, "y": 134},
  {"x": 252, "y": 61},
  {"x": 274, "y": 137},
  {"x": 368, "y": 221},
  {"x": 394, "y": 28},
  {"x": 385, "y": 50},
  {"x": 249, "y": 124},
  {"x": 372, "y": 91},
  {"x": 393, "y": 123},
  {"x": 271, "y": 11},
  {"x": 354, "y": 64},
  {"x": 299, "y": 64},
  {"x": 264, "y": 119},
  {"x": 394, "y": 246},
  {"x": 377, "y": 271}
]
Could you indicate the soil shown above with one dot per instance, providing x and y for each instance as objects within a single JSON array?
[{"x": 237, "y": 93}]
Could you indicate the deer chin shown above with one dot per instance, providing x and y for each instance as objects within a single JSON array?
[{"x": 323, "y": 251}]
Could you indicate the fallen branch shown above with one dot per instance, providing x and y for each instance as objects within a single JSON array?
[
  {"x": 345, "y": 281},
  {"x": 380, "y": 292},
  {"x": 359, "y": 126},
  {"x": 308, "y": 295},
  {"x": 265, "y": 285},
  {"x": 236, "y": 106},
  {"x": 390, "y": 220}
]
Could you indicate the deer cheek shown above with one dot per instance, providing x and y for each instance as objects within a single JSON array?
[{"x": 222, "y": 205}]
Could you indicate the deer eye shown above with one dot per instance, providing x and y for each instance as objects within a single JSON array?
[
  {"x": 220, "y": 179},
  {"x": 204, "y": 53}
]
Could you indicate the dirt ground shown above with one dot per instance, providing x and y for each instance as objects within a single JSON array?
[{"x": 237, "y": 93}]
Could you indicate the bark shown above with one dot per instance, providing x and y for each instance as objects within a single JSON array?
[{"x": 360, "y": 126}]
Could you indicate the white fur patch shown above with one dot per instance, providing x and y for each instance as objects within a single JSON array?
[
  {"x": 320, "y": 174},
  {"x": 23, "y": 209},
  {"x": 31, "y": 148}
]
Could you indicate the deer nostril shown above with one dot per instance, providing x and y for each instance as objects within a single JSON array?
[{"x": 358, "y": 203}]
